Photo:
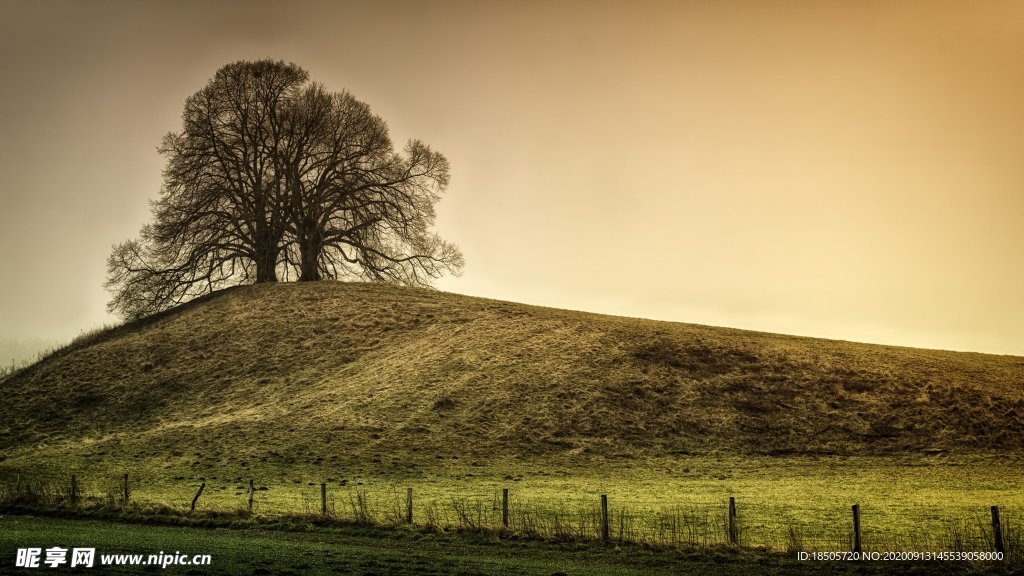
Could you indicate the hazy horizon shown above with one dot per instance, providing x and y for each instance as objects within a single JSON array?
[{"x": 848, "y": 171}]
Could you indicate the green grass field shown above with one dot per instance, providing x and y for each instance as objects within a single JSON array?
[
  {"x": 364, "y": 551},
  {"x": 784, "y": 503}
]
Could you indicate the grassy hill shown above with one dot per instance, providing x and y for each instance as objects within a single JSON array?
[{"x": 341, "y": 374}]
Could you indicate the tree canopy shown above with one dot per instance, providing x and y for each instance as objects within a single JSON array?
[{"x": 272, "y": 177}]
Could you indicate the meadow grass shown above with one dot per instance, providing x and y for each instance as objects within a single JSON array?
[
  {"x": 344, "y": 549},
  {"x": 401, "y": 377},
  {"x": 784, "y": 503}
]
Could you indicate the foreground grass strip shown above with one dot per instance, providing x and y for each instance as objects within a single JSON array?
[
  {"x": 934, "y": 504},
  {"x": 361, "y": 550}
]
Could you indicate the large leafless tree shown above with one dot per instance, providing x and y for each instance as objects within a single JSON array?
[{"x": 275, "y": 177}]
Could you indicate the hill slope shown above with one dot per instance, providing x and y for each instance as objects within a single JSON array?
[{"x": 293, "y": 374}]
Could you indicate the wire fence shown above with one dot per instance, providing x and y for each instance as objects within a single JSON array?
[{"x": 686, "y": 521}]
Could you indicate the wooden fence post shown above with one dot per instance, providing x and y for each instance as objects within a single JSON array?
[
  {"x": 734, "y": 536},
  {"x": 250, "y": 495},
  {"x": 196, "y": 499},
  {"x": 126, "y": 493},
  {"x": 604, "y": 517},
  {"x": 74, "y": 489},
  {"x": 408, "y": 506},
  {"x": 504, "y": 507},
  {"x": 856, "y": 528},
  {"x": 323, "y": 498},
  {"x": 997, "y": 531}
]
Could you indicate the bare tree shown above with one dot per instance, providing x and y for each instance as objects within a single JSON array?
[
  {"x": 358, "y": 208},
  {"x": 273, "y": 177}
]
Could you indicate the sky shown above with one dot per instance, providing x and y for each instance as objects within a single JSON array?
[{"x": 848, "y": 170}]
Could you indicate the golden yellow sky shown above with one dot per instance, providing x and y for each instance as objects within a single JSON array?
[{"x": 850, "y": 170}]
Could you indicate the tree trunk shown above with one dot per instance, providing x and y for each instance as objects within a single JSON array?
[
  {"x": 266, "y": 268},
  {"x": 266, "y": 259},
  {"x": 309, "y": 250},
  {"x": 266, "y": 244}
]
